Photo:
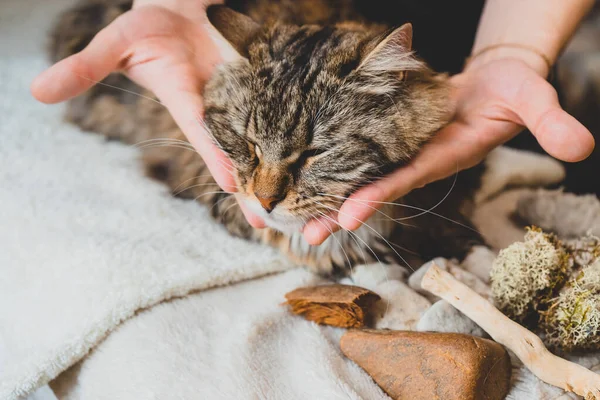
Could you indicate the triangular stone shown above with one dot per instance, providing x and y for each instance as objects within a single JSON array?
[{"x": 429, "y": 365}]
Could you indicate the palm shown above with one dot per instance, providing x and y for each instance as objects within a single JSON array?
[
  {"x": 167, "y": 52},
  {"x": 497, "y": 101},
  {"x": 483, "y": 119}
]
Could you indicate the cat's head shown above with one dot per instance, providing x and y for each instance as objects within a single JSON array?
[{"x": 308, "y": 114}]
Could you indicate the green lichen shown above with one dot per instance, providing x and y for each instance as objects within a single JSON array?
[
  {"x": 572, "y": 321},
  {"x": 527, "y": 274},
  {"x": 552, "y": 286}
]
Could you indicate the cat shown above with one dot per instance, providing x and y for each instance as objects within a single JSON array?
[{"x": 320, "y": 102}]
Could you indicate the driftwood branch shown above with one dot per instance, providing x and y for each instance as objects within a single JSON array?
[{"x": 525, "y": 344}]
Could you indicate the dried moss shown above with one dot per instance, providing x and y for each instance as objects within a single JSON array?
[
  {"x": 554, "y": 286},
  {"x": 572, "y": 322},
  {"x": 584, "y": 251},
  {"x": 527, "y": 274}
]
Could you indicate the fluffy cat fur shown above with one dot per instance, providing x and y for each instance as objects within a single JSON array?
[{"x": 320, "y": 103}]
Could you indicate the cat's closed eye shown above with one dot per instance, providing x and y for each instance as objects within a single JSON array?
[
  {"x": 307, "y": 155},
  {"x": 312, "y": 153},
  {"x": 257, "y": 151}
]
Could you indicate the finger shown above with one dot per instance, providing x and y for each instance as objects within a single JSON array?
[
  {"x": 361, "y": 205},
  {"x": 186, "y": 108},
  {"x": 559, "y": 134},
  {"x": 317, "y": 230},
  {"x": 77, "y": 73},
  {"x": 252, "y": 219}
]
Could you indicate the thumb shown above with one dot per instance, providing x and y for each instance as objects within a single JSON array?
[{"x": 559, "y": 134}]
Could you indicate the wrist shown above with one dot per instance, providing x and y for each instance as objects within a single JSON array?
[
  {"x": 540, "y": 27},
  {"x": 535, "y": 59}
]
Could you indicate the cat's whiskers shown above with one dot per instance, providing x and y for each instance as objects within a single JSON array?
[
  {"x": 358, "y": 246},
  {"x": 165, "y": 139},
  {"x": 185, "y": 145},
  {"x": 428, "y": 211},
  {"x": 175, "y": 193},
  {"x": 162, "y": 141},
  {"x": 404, "y": 205},
  {"x": 227, "y": 167},
  {"x": 209, "y": 193},
  {"x": 229, "y": 208},
  {"x": 201, "y": 121},
  {"x": 375, "y": 209},
  {"x": 354, "y": 236},
  {"x": 172, "y": 145},
  {"x": 439, "y": 202},
  {"x": 377, "y": 233},
  {"x": 217, "y": 203},
  {"x": 338, "y": 242},
  {"x": 240, "y": 89},
  {"x": 121, "y": 89},
  {"x": 191, "y": 179},
  {"x": 405, "y": 249},
  {"x": 423, "y": 210}
]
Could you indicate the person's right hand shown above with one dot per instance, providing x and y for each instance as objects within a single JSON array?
[
  {"x": 167, "y": 51},
  {"x": 494, "y": 101}
]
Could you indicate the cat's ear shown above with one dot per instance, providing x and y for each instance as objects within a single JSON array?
[
  {"x": 236, "y": 28},
  {"x": 393, "y": 53}
]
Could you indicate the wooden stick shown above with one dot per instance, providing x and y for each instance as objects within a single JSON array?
[{"x": 524, "y": 343}]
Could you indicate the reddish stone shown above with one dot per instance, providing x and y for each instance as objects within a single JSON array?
[
  {"x": 430, "y": 365},
  {"x": 344, "y": 306}
]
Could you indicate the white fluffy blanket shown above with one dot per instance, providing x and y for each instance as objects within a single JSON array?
[
  {"x": 86, "y": 242},
  {"x": 85, "y": 239}
]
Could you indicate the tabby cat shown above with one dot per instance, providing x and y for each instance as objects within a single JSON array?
[{"x": 320, "y": 102}]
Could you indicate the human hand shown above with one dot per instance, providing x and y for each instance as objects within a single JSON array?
[
  {"x": 494, "y": 101},
  {"x": 164, "y": 48}
]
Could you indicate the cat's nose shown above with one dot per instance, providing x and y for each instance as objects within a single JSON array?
[{"x": 268, "y": 203}]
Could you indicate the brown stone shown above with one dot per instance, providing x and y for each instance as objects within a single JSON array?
[
  {"x": 430, "y": 365},
  {"x": 344, "y": 306}
]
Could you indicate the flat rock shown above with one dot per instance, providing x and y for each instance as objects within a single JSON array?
[
  {"x": 430, "y": 366},
  {"x": 443, "y": 317},
  {"x": 344, "y": 306}
]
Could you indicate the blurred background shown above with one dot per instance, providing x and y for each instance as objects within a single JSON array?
[{"x": 577, "y": 79}]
